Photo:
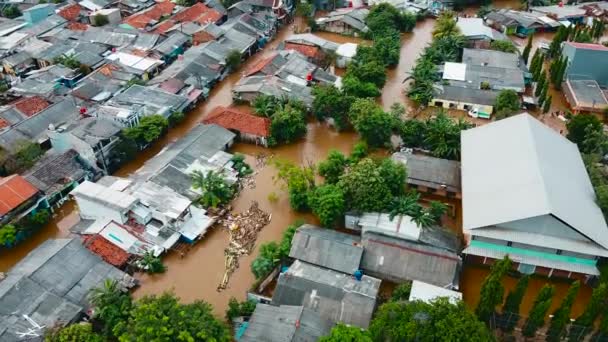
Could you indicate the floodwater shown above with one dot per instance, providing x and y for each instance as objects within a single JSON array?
[
  {"x": 64, "y": 218},
  {"x": 197, "y": 274}
]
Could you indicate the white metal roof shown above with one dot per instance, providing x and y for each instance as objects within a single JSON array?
[
  {"x": 400, "y": 226},
  {"x": 348, "y": 50},
  {"x": 104, "y": 195},
  {"x": 518, "y": 169},
  {"x": 133, "y": 61},
  {"x": 428, "y": 293},
  {"x": 454, "y": 71}
]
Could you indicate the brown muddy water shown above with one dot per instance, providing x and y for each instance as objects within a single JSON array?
[{"x": 197, "y": 274}]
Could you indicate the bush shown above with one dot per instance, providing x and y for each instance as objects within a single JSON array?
[
  {"x": 149, "y": 129},
  {"x": 175, "y": 118},
  {"x": 239, "y": 164},
  {"x": 288, "y": 125},
  {"x": 233, "y": 60},
  {"x": 272, "y": 253},
  {"x": 237, "y": 309},
  {"x": 402, "y": 291}
]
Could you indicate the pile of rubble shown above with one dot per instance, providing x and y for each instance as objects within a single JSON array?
[{"x": 243, "y": 229}]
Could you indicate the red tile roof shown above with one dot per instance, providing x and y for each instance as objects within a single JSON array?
[
  {"x": 172, "y": 85},
  {"x": 588, "y": 46},
  {"x": 4, "y": 123},
  {"x": 201, "y": 37},
  {"x": 14, "y": 191},
  {"x": 31, "y": 105},
  {"x": 259, "y": 65},
  {"x": 306, "y": 50},
  {"x": 108, "y": 251},
  {"x": 143, "y": 19},
  {"x": 198, "y": 12},
  {"x": 70, "y": 12},
  {"x": 77, "y": 26},
  {"x": 234, "y": 119},
  {"x": 164, "y": 26}
]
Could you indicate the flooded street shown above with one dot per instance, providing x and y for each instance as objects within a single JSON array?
[{"x": 197, "y": 274}]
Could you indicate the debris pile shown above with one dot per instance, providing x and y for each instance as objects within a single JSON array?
[{"x": 243, "y": 229}]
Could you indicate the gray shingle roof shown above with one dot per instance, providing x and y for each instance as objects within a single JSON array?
[
  {"x": 335, "y": 296},
  {"x": 327, "y": 248},
  {"x": 511, "y": 178},
  {"x": 54, "y": 171},
  {"x": 462, "y": 94},
  {"x": 285, "y": 323}
]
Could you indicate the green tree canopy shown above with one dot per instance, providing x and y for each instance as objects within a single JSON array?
[
  {"x": 79, "y": 332},
  {"x": 445, "y": 25},
  {"x": 215, "y": 190},
  {"x": 579, "y": 126},
  {"x": 333, "y": 167},
  {"x": 510, "y": 310},
  {"x": 149, "y": 129},
  {"x": 111, "y": 306},
  {"x": 288, "y": 125},
  {"x": 507, "y": 103},
  {"x": 233, "y": 60},
  {"x": 164, "y": 318},
  {"x": 536, "y": 317},
  {"x": 345, "y": 333},
  {"x": 366, "y": 188},
  {"x": 8, "y": 235},
  {"x": 327, "y": 203},
  {"x": 372, "y": 72},
  {"x": 442, "y": 136},
  {"x": 503, "y": 45},
  {"x": 355, "y": 87},
  {"x": 492, "y": 290},
  {"x": 561, "y": 316},
  {"x": 371, "y": 122},
  {"x": 299, "y": 181},
  {"x": 331, "y": 102},
  {"x": 437, "y": 321}
]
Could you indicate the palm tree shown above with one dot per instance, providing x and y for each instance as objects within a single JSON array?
[
  {"x": 214, "y": 189},
  {"x": 405, "y": 205},
  {"x": 445, "y": 26},
  {"x": 102, "y": 295}
]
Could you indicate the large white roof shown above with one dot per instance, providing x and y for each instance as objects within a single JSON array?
[
  {"x": 518, "y": 169},
  {"x": 428, "y": 293},
  {"x": 454, "y": 71}
]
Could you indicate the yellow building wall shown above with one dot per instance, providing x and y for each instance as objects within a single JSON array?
[{"x": 461, "y": 105}]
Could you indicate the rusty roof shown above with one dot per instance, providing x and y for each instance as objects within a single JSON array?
[
  {"x": 142, "y": 19},
  {"x": 306, "y": 50},
  {"x": 196, "y": 13},
  {"x": 70, "y": 12},
  {"x": 14, "y": 191},
  {"x": 108, "y": 251},
  {"x": 74, "y": 26},
  {"x": 31, "y": 105},
  {"x": 238, "y": 120}
]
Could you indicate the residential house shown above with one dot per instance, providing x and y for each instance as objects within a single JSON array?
[
  {"x": 247, "y": 126},
  {"x": 123, "y": 116},
  {"x": 310, "y": 39},
  {"x": 569, "y": 13},
  {"x": 259, "y": 25},
  {"x": 106, "y": 250},
  {"x": 478, "y": 101},
  {"x": 150, "y": 101},
  {"x": 344, "y": 21},
  {"x": 171, "y": 47},
  {"x": 285, "y": 323},
  {"x": 293, "y": 67},
  {"x": 21, "y": 109},
  {"x": 399, "y": 249},
  {"x": 586, "y": 61},
  {"x": 93, "y": 138},
  {"x": 428, "y": 293},
  {"x": 47, "y": 82},
  {"x": 138, "y": 217},
  {"x": 96, "y": 5},
  {"x": 56, "y": 174},
  {"x": 435, "y": 7},
  {"x": 529, "y": 196},
  {"x": 327, "y": 248},
  {"x": 127, "y": 7},
  {"x": 38, "y": 13},
  {"x": 17, "y": 197},
  {"x": 596, "y": 10},
  {"x": 48, "y": 24},
  {"x": 486, "y": 69},
  {"x": 198, "y": 14},
  {"x": 34, "y": 128},
  {"x": 86, "y": 53},
  {"x": 313, "y": 53},
  {"x": 50, "y": 287},
  {"x": 248, "y": 88},
  {"x": 103, "y": 83},
  {"x": 281, "y": 9},
  {"x": 477, "y": 34},
  {"x": 148, "y": 18},
  {"x": 18, "y": 64},
  {"x": 585, "y": 96},
  {"x": 202, "y": 149},
  {"x": 521, "y": 23},
  {"x": 144, "y": 67},
  {"x": 335, "y": 296},
  {"x": 432, "y": 175}
]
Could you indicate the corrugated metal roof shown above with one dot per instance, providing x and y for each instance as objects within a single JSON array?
[
  {"x": 285, "y": 323},
  {"x": 428, "y": 292},
  {"x": 103, "y": 195},
  {"x": 429, "y": 171},
  {"x": 335, "y": 296},
  {"x": 517, "y": 169},
  {"x": 327, "y": 248}
]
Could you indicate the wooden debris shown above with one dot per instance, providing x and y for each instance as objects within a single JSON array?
[{"x": 243, "y": 229}]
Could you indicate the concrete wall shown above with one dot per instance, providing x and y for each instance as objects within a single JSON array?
[
  {"x": 461, "y": 105},
  {"x": 92, "y": 210}
]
